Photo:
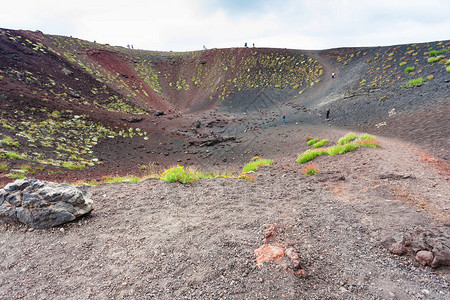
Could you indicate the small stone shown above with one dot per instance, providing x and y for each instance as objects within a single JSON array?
[
  {"x": 424, "y": 257},
  {"x": 426, "y": 292},
  {"x": 397, "y": 249},
  {"x": 301, "y": 273},
  {"x": 62, "y": 230}
]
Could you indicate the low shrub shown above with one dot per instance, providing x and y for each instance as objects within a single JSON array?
[
  {"x": 310, "y": 170},
  {"x": 347, "y": 138},
  {"x": 178, "y": 174},
  {"x": 3, "y": 167},
  {"x": 308, "y": 138},
  {"x": 256, "y": 164},
  {"x": 402, "y": 64},
  {"x": 448, "y": 69}
]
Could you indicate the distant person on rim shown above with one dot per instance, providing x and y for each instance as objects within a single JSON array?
[
  {"x": 284, "y": 119},
  {"x": 332, "y": 75},
  {"x": 328, "y": 113},
  {"x": 245, "y": 44}
]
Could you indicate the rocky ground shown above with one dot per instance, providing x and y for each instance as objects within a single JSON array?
[
  {"x": 350, "y": 232},
  {"x": 157, "y": 240}
]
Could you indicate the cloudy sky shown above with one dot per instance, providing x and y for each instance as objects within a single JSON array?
[{"x": 182, "y": 25}]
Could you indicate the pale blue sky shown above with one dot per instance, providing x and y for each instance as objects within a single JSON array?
[{"x": 183, "y": 25}]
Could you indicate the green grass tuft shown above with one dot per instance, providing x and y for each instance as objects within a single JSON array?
[
  {"x": 347, "y": 138},
  {"x": 372, "y": 143},
  {"x": 13, "y": 155},
  {"x": 435, "y": 59},
  {"x": 178, "y": 174},
  {"x": 320, "y": 143},
  {"x": 409, "y": 70},
  {"x": 8, "y": 141},
  {"x": 312, "y": 141},
  {"x": 73, "y": 166},
  {"x": 341, "y": 149},
  {"x": 415, "y": 82},
  {"x": 256, "y": 164},
  {"x": 310, "y": 170},
  {"x": 248, "y": 177},
  {"x": 309, "y": 155},
  {"x": 434, "y": 53},
  {"x": 350, "y": 142},
  {"x": 365, "y": 136},
  {"x": 120, "y": 179}
]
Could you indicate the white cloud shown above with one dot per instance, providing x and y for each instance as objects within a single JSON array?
[{"x": 187, "y": 25}]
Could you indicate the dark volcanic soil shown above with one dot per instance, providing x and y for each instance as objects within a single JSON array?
[{"x": 156, "y": 240}]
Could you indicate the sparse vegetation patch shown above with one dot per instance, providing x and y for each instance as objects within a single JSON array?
[
  {"x": 415, "y": 82},
  {"x": 409, "y": 70},
  {"x": 310, "y": 169},
  {"x": 350, "y": 142},
  {"x": 178, "y": 174},
  {"x": 256, "y": 164}
]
